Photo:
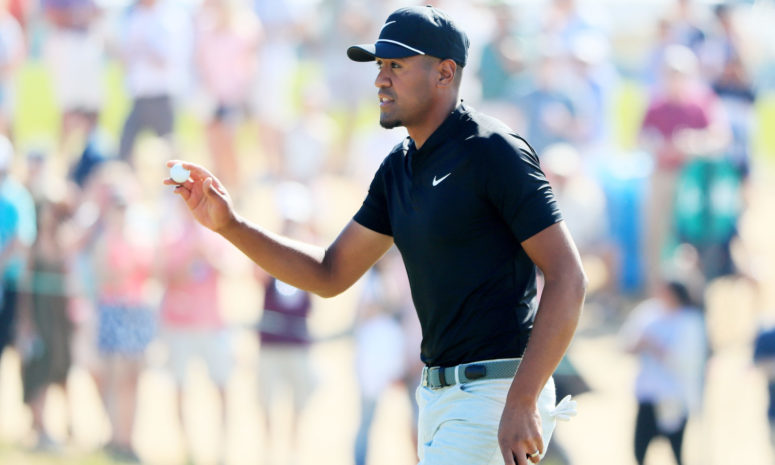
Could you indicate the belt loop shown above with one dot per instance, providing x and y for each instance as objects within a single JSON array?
[{"x": 457, "y": 374}]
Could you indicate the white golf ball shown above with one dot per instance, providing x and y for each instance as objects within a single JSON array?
[{"x": 179, "y": 174}]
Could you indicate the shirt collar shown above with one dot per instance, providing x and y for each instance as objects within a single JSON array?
[{"x": 444, "y": 132}]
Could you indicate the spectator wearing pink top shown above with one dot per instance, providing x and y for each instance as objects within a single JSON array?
[
  {"x": 123, "y": 259},
  {"x": 191, "y": 322},
  {"x": 226, "y": 56},
  {"x": 683, "y": 120},
  {"x": 12, "y": 54}
]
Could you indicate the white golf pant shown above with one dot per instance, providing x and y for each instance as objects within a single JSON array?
[{"x": 458, "y": 424}]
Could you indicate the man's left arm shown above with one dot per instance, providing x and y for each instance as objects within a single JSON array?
[{"x": 555, "y": 254}]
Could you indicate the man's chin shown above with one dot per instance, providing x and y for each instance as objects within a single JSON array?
[{"x": 390, "y": 124}]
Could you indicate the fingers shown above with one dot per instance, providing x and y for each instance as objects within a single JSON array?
[
  {"x": 171, "y": 182},
  {"x": 534, "y": 454},
  {"x": 198, "y": 172},
  {"x": 522, "y": 456},
  {"x": 183, "y": 191},
  {"x": 208, "y": 188},
  {"x": 512, "y": 456},
  {"x": 509, "y": 458}
]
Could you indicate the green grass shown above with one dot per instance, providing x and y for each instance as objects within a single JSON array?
[
  {"x": 36, "y": 115},
  {"x": 764, "y": 141},
  {"x": 17, "y": 456},
  {"x": 629, "y": 105}
]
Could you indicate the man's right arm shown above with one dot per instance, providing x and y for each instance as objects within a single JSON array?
[{"x": 324, "y": 271}]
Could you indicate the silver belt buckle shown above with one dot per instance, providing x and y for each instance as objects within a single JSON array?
[{"x": 427, "y": 374}]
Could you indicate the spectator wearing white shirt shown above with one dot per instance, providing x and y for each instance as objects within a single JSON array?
[
  {"x": 74, "y": 52},
  {"x": 155, "y": 47},
  {"x": 667, "y": 333}
]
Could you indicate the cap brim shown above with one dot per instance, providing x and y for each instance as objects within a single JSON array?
[
  {"x": 364, "y": 52},
  {"x": 369, "y": 52}
]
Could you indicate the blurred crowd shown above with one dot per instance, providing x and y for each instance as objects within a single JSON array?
[{"x": 644, "y": 116}]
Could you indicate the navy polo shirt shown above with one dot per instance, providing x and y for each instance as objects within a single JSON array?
[{"x": 458, "y": 210}]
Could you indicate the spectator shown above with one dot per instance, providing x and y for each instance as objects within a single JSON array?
[
  {"x": 349, "y": 21},
  {"x": 191, "y": 321},
  {"x": 379, "y": 346},
  {"x": 227, "y": 53},
  {"x": 667, "y": 333},
  {"x": 81, "y": 234},
  {"x": 584, "y": 206},
  {"x": 153, "y": 41},
  {"x": 283, "y": 332},
  {"x": 564, "y": 21},
  {"x": 685, "y": 29},
  {"x": 653, "y": 65},
  {"x": 278, "y": 63},
  {"x": 123, "y": 262},
  {"x": 74, "y": 52},
  {"x": 12, "y": 53},
  {"x": 308, "y": 147},
  {"x": 549, "y": 109},
  {"x": 17, "y": 234},
  {"x": 45, "y": 327},
  {"x": 738, "y": 97},
  {"x": 681, "y": 121},
  {"x": 21, "y": 11},
  {"x": 764, "y": 357},
  {"x": 594, "y": 83},
  {"x": 503, "y": 67}
]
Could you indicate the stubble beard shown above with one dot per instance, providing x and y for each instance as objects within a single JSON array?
[
  {"x": 390, "y": 124},
  {"x": 388, "y": 121}
]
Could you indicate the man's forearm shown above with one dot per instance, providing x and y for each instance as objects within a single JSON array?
[
  {"x": 555, "y": 322},
  {"x": 296, "y": 263}
]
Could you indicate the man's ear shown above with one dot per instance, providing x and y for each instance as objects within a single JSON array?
[{"x": 447, "y": 70}]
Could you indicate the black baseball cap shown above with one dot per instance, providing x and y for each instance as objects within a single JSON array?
[{"x": 416, "y": 30}]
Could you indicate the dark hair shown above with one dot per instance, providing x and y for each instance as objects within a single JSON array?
[
  {"x": 721, "y": 9},
  {"x": 680, "y": 292}
]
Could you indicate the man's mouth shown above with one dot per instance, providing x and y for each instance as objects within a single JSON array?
[{"x": 383, "y": 100}]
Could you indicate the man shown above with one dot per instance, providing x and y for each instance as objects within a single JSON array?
[{"x": 467, "y": 206}]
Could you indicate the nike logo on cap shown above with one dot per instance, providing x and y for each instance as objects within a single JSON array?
[
  {"x": 387, "y": 24},
  {"x": 437, "y": 181}
]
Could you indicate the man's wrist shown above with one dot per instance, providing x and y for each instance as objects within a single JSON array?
[
  {"x": 520, "y": 395},
  {"x": 520, "y": 400},
  {"x": 232, "y": 225}
]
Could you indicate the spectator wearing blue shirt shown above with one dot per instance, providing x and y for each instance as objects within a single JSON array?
[{"x": 17, "y": 233}]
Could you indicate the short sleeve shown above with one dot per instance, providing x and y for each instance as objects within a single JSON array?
[
  {"x": 374, "y": 213},
  {"x": 518, "y": 189}
]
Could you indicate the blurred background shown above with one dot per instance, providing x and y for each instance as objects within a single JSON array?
[{"x": 129, "y": 334}]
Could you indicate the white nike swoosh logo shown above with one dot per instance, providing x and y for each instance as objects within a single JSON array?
[
  {"x": 437, "y": 181},
  {"x": 386, "y": 25}
]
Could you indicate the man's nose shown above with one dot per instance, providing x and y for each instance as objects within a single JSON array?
[{"x": 382, "y": 80}]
